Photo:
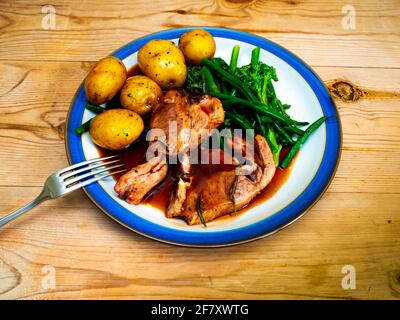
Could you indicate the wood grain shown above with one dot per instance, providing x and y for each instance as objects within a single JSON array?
[
  {"x": 308, "y": 27},
  {"x": 356, "y": 222}
]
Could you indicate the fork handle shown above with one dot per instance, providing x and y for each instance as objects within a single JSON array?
[{"x": 43, "y": 196}]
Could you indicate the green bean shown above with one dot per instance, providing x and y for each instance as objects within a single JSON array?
[
  {"x": 295, "y": 130},
  {"x": 95, "y": 109},
  {"x": 233, "y": 64},
  {"x": 278, "y": 103},
  {"x": 283, "y": 132},
  {"x": 238, "y": 119},
  {"x": 269, "y": 135},
  {"x": 83, "y": 127},
  {"x": 260, "y": 126},
  {"x": 296, "y": 147},
  {"x": 255, "y": 55},
  {"x": 272, "y": 140},
  {"x": 234, "y": 59},
  {"x": 227, "y": 77},
  {"x": 221, "y": 143},
  {"x": 260, "y": 108},
  {"x": 266, "y": 119},
  {"x": 209, "y": 80},
  {"x": 274, "y": 145},
  {"x": 271, "y": 88}
]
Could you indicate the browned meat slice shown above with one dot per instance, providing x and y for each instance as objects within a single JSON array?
[
  {"x": 136, "y": 183},
  {"x": 178, "y": 196},
  {"x": 217, "y": 196},
  {"x": 205, "y": 113},
  {"x": 172, "y": 119},
  {"x": 181, "y": 119},
  {"x": 184, "y": 118}
]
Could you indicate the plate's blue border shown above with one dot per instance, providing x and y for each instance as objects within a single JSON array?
[{"x": 266, "y": 226}]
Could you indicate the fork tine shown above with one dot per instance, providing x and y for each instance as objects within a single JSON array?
[
  {"x": 91, "y": 173},
  {"x": 94, "y": 179},
  {"x": 81, "y": 164},
  {"x": 75, "y": 172}
]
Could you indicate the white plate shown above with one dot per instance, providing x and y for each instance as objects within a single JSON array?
[{"x": 297, "y": 86}]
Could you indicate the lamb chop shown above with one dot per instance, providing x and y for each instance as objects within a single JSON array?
[
  {"x": 222, "y": 192},
  {"x": 189, "y": 116},
  {"x": 227, "y": 191}
]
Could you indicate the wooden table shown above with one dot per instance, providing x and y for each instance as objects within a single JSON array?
[{"x": 68, "y": 249}]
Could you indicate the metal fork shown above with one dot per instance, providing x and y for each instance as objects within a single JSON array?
[{"x": 67, "y": 180}]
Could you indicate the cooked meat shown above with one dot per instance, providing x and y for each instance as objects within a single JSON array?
[
  {"x": 219, "y": 196},
  {"x": 178, "y": 196},
  {"x": 204, "y": 113},
  {"x": 183, "y": 120},
  {"x": 136, "y": 183}
]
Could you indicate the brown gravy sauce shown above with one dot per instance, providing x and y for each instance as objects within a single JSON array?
[{"x": 159, "y": 196}]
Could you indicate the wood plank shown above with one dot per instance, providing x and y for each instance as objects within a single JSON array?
[
  {"x": 312, "y": 29},
  {"x": 116, "y": 263}
]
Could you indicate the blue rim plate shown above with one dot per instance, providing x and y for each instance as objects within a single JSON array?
[{"x": 294, "y": 210}]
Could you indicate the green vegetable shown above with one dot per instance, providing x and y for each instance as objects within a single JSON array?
[
  {"x": 199, "y": 209},
  {"x": 234, "y": 59},
  {"x": 232, "y": 80},
  {"x": 295, "y": 130},
  {"x": 255, "y": 56},
  {"x": 255, "y": 106},
  {"x": 260, "y": 125},
  {"x": 83, "y": 127},
  {"x": 239, "y": 119},
  {"x": 194, "y": 80},
  {"x": 208, "y": 79},
  {"x": 220, "y": 63},
  {"x": 278, "y": 127},
  {"x": 95, "y": 109},
  {"x": 266, "y": 119},
  {"x": 273, "y": 144},
  {"x": 249, "y": 99},
  {"x": 269, "y": 135},
  {"x": 257, "y": 75},
  {"x": 296, "y": 147}
]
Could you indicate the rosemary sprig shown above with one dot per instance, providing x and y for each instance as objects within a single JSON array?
[
  {"x": 232, "y": 191},
  {"x": 199, "y": 206}
]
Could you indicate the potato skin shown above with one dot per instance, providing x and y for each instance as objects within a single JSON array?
[
  {"x": 163, "y": 62},
  {"x": 115, "y": 129},
  {"x": 140, "y": 94},
  {"x": 196, "y": 45},
  {"x": 105, "y": 79}
]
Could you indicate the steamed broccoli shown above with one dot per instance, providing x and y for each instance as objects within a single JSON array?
[{"x": 258, "y": 77}]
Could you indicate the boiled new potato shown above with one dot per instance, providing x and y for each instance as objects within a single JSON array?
[
  {"x": 196, "y": 45},
  {"x": 163, "y": 62},
  {"x": 140, "y": 94},
  {"x": 105, "y": 79},
  {"x": 115, "y": 129}
]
